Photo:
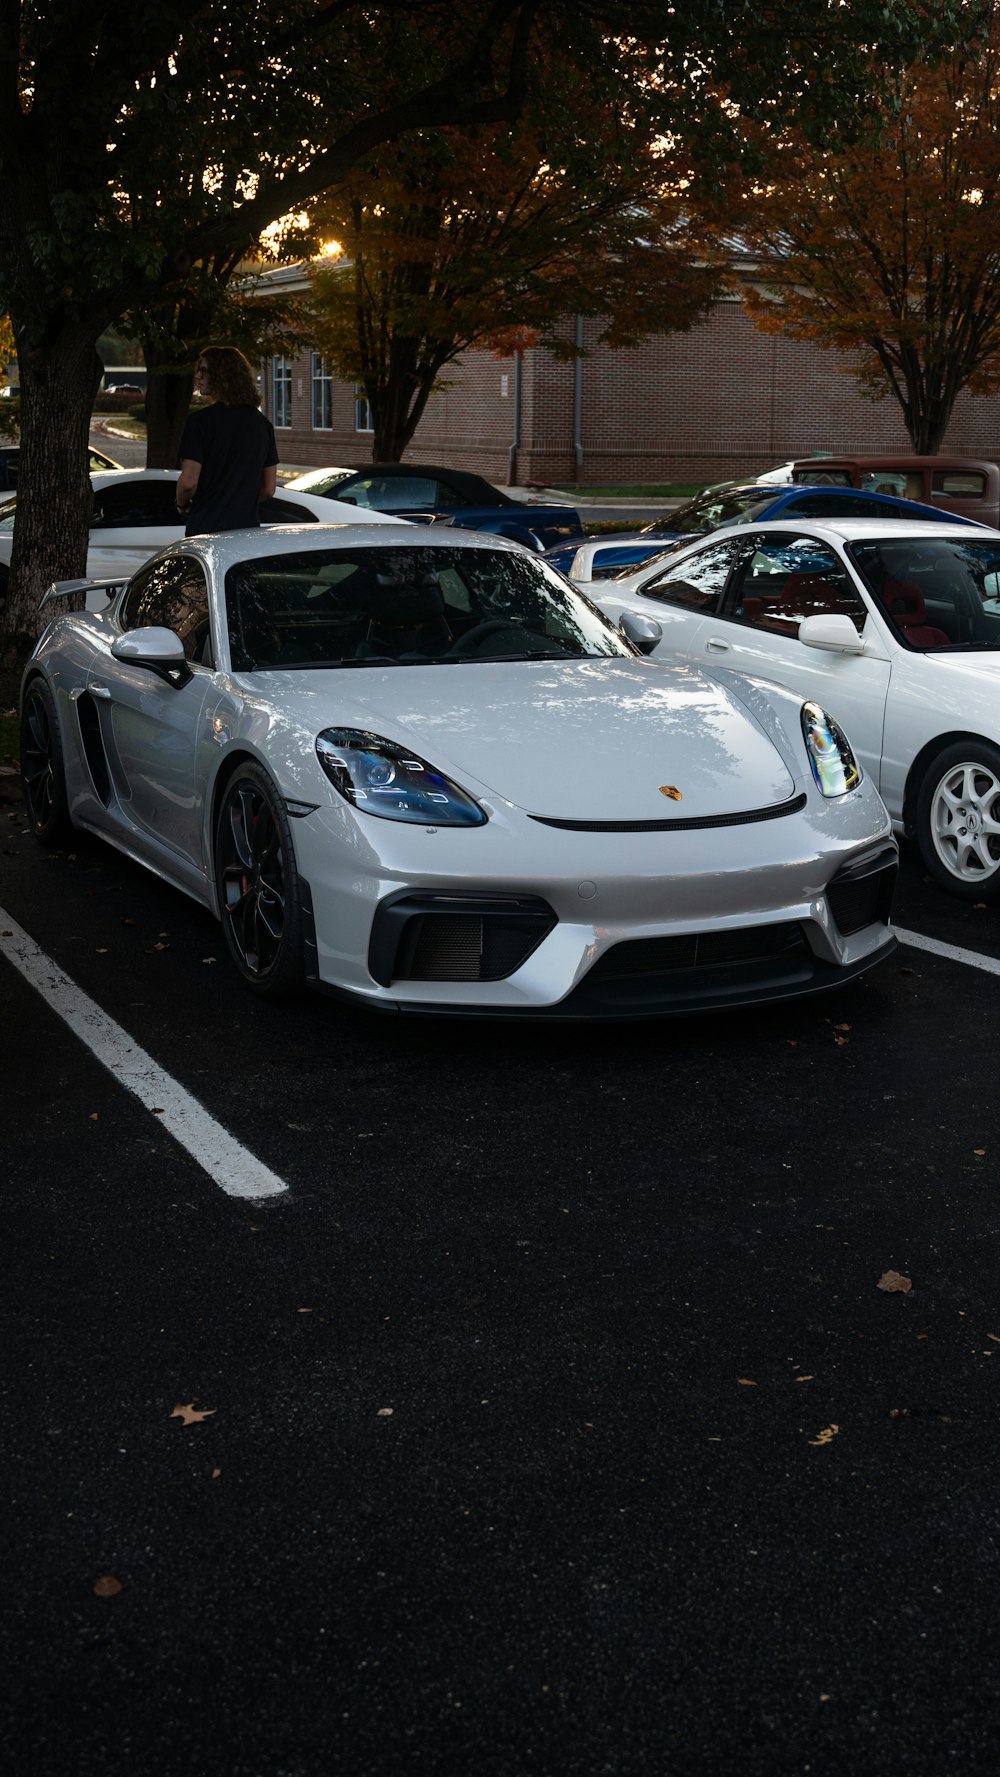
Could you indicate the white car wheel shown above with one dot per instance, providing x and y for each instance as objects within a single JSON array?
[{"x": 958, "y": 819}]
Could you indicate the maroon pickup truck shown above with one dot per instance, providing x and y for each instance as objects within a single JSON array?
[{"x": 963, "y": 485}]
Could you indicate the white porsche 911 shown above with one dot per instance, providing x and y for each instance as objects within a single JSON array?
[{"x": 432, "y": 776}]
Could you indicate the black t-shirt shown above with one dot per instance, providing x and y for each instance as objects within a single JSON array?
[{"x": 234, "y": 445}]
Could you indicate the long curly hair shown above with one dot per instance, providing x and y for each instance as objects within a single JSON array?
[{"x": 229, "y": 377}]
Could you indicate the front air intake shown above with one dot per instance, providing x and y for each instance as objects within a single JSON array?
[{"x": 441, "y": 937}]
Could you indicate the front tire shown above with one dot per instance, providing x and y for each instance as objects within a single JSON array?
[
  {"x": 260, "y": 902},
  {"x": 43, "y": 774},
  {"x": 958, "y": 819}
]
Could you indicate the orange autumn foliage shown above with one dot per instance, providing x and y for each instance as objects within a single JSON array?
[{"x": 887, "y": 248}]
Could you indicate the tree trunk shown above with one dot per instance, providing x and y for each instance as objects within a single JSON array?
[
  {"x": 168, "y": 399},
  {"x": 399, "y": 406},
  {"x": 59, "y": 379}
]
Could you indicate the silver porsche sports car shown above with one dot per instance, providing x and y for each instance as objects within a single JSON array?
[{"x": 431, "y": 776}]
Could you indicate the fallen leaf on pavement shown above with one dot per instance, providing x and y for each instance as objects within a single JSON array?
[
  {"x": 841, "y": 1027},
  {"x": 804, "y": 1378},
  {"x": 92, "y": 1116},
  {"x": 161, "y": 946},
  {"x": 129, "y": 922},
  {"x": 840, "y": 1041},
  {"x": 216, "y": 1472},
  {"x": 745, "y": 1382},
  {"x": 892, "y": 1282},
  {"x": 826, "y": 1436},
  {"x": 384, "y": 1413},
  {"x": 191, "y": 1414},
  {"x": 107, "y": 1586},
  {"x": 995, "y": 1337},
  {"x": 979, "y": 1150}
]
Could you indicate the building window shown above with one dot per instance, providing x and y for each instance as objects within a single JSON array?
[
  {"x": 362, "y": 411},
  {"x": 322, "y": 394},
  {"x": 281, "y": 390}
]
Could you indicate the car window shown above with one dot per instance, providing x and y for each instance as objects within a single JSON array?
[
  {"x": 837, "y": 505},
  {"x": 936, "y": 592},
  {"x": 788, "y": 578},
  {"x": 171, "y": 594},
  {"x": 894, "y": 481},
  {"x": 394, "y": 493},
  {"x": 394, "y": 605},
  {"x": 279, "y": 511},
  {"x": 699, "y": 582},
  {"x": 7, "y": 509},
  {"x": 951, "y": 481},
  {"x": 710, "y": 510},
  {"x": 135, "y": 505}
]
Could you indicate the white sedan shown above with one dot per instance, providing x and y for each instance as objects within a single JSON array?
[
  {"x": 135, "y": 514},
  {"x": 894, "y": 627},
  {"x": 431, "y": 776}
]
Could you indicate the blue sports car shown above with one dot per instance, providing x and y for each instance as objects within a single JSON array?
[{"x": 743, "y": 503}]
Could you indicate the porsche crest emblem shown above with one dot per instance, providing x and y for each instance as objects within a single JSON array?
[{"x": 671, "y": 791}]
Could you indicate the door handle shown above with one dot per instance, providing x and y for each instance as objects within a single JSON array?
[
  {"x": 99, "y": 691},
  {"x": 717, "y": 643}
]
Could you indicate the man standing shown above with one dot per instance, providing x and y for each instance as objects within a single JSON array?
[{"x": 228, "y": 450}]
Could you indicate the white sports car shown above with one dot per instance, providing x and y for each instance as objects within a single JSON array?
[
  {"x": 135, "y": 514},
  {"x": 894, "y": 626},
  {"x": 432, "y": 776}
]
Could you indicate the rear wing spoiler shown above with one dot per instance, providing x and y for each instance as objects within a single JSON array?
[{"x": 63, "y": 589}]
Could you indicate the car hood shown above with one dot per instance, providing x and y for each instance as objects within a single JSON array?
[{"x": 588, "y": 740}]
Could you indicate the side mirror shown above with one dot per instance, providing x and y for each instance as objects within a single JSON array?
[
  {"x": 643, "y": 632},
  {"x": 834, "y": 632},
  {"x": 158, "y": 649}
]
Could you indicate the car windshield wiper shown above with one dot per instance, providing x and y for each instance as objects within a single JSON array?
[{"x": 965, "y": 648}]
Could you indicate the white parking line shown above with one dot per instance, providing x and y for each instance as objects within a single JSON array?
[
  {"x": 953, "y": 952},
  {"x": 231, "y": 1166}
]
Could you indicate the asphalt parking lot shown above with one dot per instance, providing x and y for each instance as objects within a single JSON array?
[{"x": 554, "y": 1418}]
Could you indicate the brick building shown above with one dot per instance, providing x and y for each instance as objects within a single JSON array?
[{"x": 717, "y": 402}]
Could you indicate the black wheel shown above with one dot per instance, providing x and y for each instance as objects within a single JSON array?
[
  {"x": 958, "y": 819},
  {"x": 42, "y": 772},
  {"x": 258, "y": 884}
]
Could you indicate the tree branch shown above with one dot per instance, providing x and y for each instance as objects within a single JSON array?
[{"x": 440, "y": 104}]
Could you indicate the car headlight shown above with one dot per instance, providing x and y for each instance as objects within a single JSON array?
[
  {"x": 833, "y": 763},
  {"x": 377, "y": 776}
]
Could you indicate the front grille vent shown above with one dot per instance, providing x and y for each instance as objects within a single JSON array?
[
  {"x": 442, "y": 937},
  {"x": 861, "y": 897},
  {"x": 700, "y": 950}
]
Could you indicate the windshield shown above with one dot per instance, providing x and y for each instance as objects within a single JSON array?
[
  {"x": 322, "y": 480},
  {"x": 402, "y": 605},
  {"x": 939, "y": 593},
  {"x": 710, "y": 510}
]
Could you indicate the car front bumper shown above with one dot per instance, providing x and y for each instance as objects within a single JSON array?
[{"x": 609, "y": 925}]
